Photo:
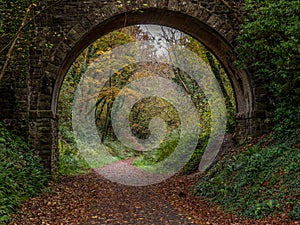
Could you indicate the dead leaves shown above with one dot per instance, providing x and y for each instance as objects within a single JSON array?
[{"x": 90, "y": 199}]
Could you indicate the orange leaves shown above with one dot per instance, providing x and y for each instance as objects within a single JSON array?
[{"x": 100, "y": 52}]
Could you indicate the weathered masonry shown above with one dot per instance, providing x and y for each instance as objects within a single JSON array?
[{"x": 65, "y": 28}]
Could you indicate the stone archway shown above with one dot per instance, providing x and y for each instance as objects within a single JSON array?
[{"x": 67, "y": 28}]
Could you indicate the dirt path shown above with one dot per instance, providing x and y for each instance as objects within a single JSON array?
[{"x": 93, "y": 199}]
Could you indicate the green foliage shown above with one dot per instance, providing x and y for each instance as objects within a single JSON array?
[
  {"x": 70, "y": 161},
  {"x": 79, "y": 67},
  {"x": 265, "y": 180},
  {"x": 12, "y": 14},
  {"x": 157, "y": 155},
  {"x": 287, "y": 124},
  {"x": 193, "y": 164},
  {"x": 148, "y": 108},
  {"x": 255, "y": 183},
  {"x": 165, "y": 159},
  {"x": 21, "y": 173},
  {"x": 295, "y": 212},
  {"x": 143, "y": 111},
  {"x": 116, "y": 149},
  {"x": 221, "y": 76},
  {"x": 269, "y": 47}
]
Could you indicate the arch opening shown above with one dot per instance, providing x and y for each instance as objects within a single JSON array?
[
  {"x": 161, "y": 38},
  {"x": 202, "y": 32},
  {"x": 205, "y": 29}
]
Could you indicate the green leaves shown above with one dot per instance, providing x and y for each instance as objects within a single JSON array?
[
  {"x": 287, "y": 123},
  {"x": 21, "y": 173},
  {"x": 256, "y": 182},
  {"x": 269, "y": 46},
  {"x": 295, "y": 212},
  {"x": 70, "y": 161},
  {"x": 166, "y": 148}
]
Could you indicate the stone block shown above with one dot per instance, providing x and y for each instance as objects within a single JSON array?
[
  {"x": 212, "y": 21},
  {"x": 174, "y": 5},
  {"x": 204, "y": 16},
  {"x": 86, "y": 24},
  {"x": 162, "y": 4},
  {"x": 190, "y": 9},
  {"x": 36, "y": 114},
  {"x": 152, "y": 3},
  {"x": 44, "y": 105}
]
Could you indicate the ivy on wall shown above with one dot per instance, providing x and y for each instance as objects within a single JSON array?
[{"x": 269, "y": 47}]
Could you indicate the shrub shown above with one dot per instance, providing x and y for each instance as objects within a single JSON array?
[
  {"x": 21, "y": 173},
  {"x": 256, "y": 182},
  {"x": 162, "y": 152},
  {"x": 295, "y": 212},
  {"x": 70, "y": 161},
  {"x": 193, "y": 164}
]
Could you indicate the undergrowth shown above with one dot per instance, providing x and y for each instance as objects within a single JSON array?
[
  {"x": 70, "y": 161},
  {"x": 193, "y": 164},
  {"x": 21, "y": 173},
  {"x": 73, "y": 161},
  {"x": 265, "y": 177},
  {"x": 169, "y": 158},
  {"x": 159, "y": 154},
  {"x": 257, "y": 182}
]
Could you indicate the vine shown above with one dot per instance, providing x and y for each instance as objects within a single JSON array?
[{"x": 13, "y": 25}]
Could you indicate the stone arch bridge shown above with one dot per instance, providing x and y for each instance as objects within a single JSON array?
[{"x": 65, "y": 28}]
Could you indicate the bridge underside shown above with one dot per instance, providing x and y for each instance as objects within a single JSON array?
[{"x": 63, "y": 30}]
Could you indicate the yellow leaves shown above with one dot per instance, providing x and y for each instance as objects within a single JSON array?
[
  {"x": 128, "y": 92},
  {"x": 108, "y": 52},
  {"x": 100, "y": 52},
  {"x": 110, "y": 93},
  {"x": 118, "y": 73}
]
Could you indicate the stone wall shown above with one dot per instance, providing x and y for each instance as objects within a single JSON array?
[{"x": 65, "y": 28}]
